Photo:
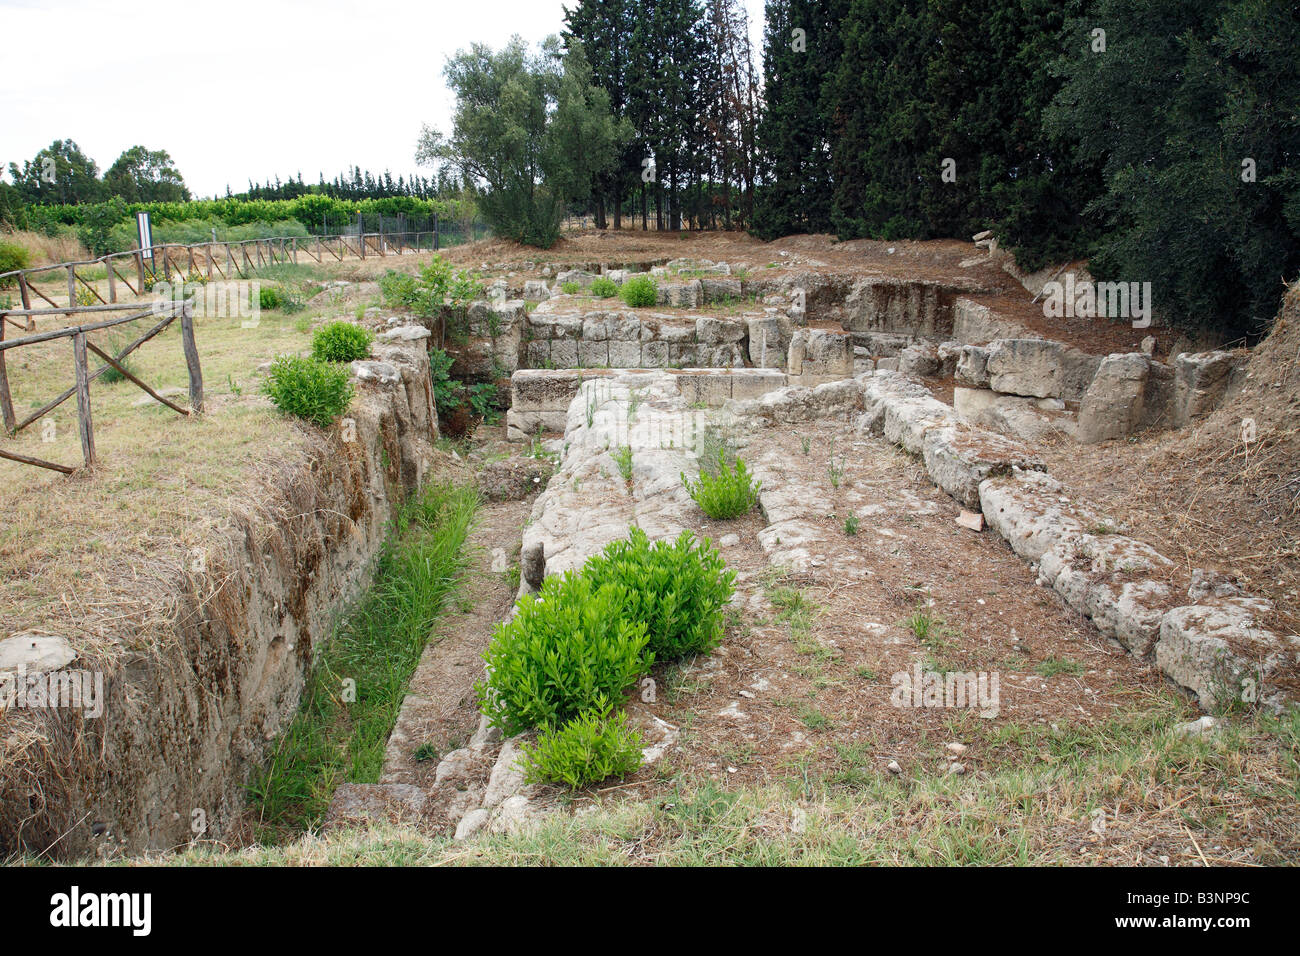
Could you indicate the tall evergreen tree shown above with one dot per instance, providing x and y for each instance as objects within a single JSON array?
[
  {"x": 802, "y": 49},
  {"x": 1194, "y": 111}
]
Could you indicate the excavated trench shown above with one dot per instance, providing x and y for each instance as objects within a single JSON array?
[{"x": 184, "y": 725}]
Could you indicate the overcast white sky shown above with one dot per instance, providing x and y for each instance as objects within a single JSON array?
[{"x": 237, "y": 89}]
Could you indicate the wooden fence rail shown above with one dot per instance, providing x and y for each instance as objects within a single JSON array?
[
  {"x": 83, "y": 376},
  {"x": 206, "y": 259}
]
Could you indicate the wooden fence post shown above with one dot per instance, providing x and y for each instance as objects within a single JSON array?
[
  {"x": 26, "y": 295},
  {"x": 72, "y": 287},
  {"x": 6, "y": 400},
  {"x": 83, "y": 399},
  {"x": 192, "y": 358},
  {"x": 139, "y": 270},
  {"x": 112, "y": 279}
]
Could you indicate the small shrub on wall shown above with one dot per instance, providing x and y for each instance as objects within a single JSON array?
[
  {"x": 341, "y": 342},
  {"x": 309, "y": 388},
  {"x": 640, "y": 292}
]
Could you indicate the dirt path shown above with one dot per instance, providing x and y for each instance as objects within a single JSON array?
[
  {"x": 440, "y": 714},
  {"x": 810, "y": 658}
]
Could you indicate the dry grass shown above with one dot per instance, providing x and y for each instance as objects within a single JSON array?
[
  {"x": 1205, "y": 498},
  {"x": 1032, "y": 796},
  {"x": 97, "y": 554},
  {"x": 45, "y": 250}
]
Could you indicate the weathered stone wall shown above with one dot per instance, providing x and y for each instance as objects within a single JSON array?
[{"x": 541, "y": 398}]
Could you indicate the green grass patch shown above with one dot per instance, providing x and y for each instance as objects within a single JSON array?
[{"x": 356, "y": 688}]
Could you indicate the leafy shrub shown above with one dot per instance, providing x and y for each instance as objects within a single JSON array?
[
  {"x": 309, "y": 388},
  {"x": 269, "y": 297},
  {"x": 640, "y": 291},
  {"x": 676, "y": 590},
  {"x": 483, "y": 399},
  {"x": 12, "y": 258},
  {"x": 449, "y": 394},
  {"x": 398, "y": 289},
  {"x": 571, "y": 288},
  {"x": 439, "y": 290},
  {"x": 446, "y": 390},
  {"x": 341, "y": 342},
  {"x": 727, "y": 493},
  {"x": 587, "y": 749},
  {"x": 603, "y": 288},
  {"x": 568, "y": 650}
]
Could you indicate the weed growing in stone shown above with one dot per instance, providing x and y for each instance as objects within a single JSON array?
[
  {"x": 640, "y": 291},
  {"x": 341, "y": 342},
  {"x": 623, "y": 458},
  {"x": 569, "y": 650},
  {"x": 727, "y": 493},
  {"x": 678, "y": 590}
]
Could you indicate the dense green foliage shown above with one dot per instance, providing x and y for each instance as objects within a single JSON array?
[
  {"x": 677, "y": 589},
  {"x": 603, "y": 288},
  {"x": 795, "y": 132},
  {"x": 567, "y": 651},
  {"x": 726, "y": 491},
  {"x": 682, "y": 77},
  {"x": 1128, "y": 148},
  {"x": 12, "y": 258},
  {"x": 587, "y": 749},
  {"x": 308, "y": 388},
  {"x": 561, "y": 664},
  {"x": 1194, "y": 114},
  {"x": 640, "y": 291},
  {"x": 438, "y": 288},
  {"x": 450, "y": 394},
  {"x": 341, "y": 342},
  {"x": 530, "y": 127}
]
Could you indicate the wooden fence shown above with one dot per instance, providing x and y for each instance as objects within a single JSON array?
[
  {"x": 208, "y": 260},
  {"x": 83, "y": 376}
]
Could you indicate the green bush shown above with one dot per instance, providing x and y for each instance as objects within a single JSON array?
[
  {"x": 269, "y": 297},
  {"x": 12, "y": 258},
  {"x": 676, "y": 590},
  {"x": 727, "y": 493},
  {"x": 603, "y": 288},
  {"x": 483, "y": 399},
  {"x": 450, "y": 394},
  {"x": 640, "y": 291},
  {"x": 571, "y": 288},
  {"x": 569, "y": 650},
  {"x": 341, "y": 342},
  {"x": 398, "y": 289},
  {"x": 309, "y": 388},
  {"x": 587, "y": 749}
]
